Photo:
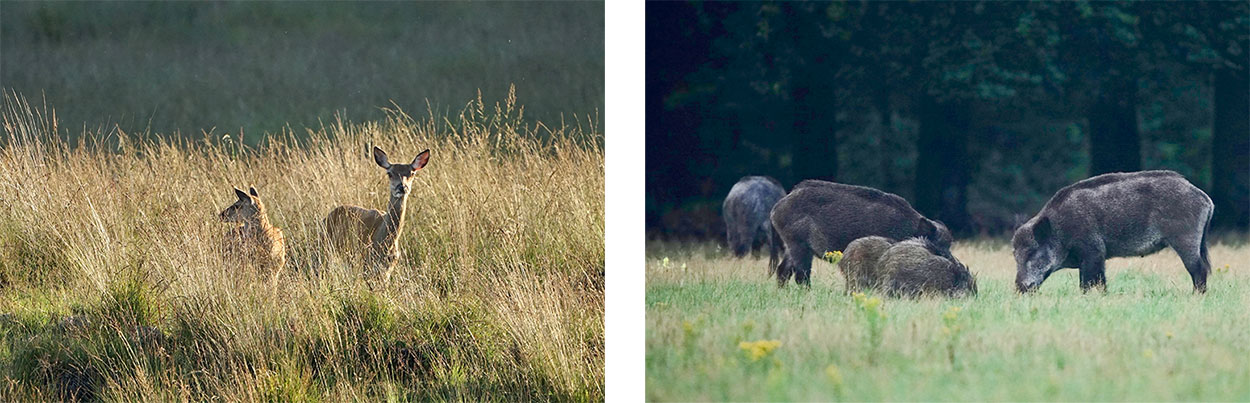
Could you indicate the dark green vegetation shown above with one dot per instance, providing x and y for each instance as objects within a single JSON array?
[
  {"x": 975, "y": 112},
  {"x": 195, "y": 66},
  {"x": 1148, "y": 338}
]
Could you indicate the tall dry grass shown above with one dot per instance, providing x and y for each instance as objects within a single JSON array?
[{"x": 499, "y": 294}]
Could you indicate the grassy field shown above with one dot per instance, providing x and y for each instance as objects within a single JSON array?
[
  {"x": 113, "y": 287},
  {"x": 718, "y": 329}
]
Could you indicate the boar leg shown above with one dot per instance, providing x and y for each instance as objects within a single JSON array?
[
  {"x": 785, "y": 270},
  {"x": 1194, "y": 256},
  {"x": 1093, "y": 271},
  {"x": 798, "y": 263},
  {"x": 803, "y": 273}
]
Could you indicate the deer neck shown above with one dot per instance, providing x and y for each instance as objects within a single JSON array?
[
  {"x": 393, "y": 222},
  {"x": 257, "y": 224}
]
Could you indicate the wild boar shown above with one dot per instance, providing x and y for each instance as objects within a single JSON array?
[
  {"x": 918, "y": 267},
  {"x": 746, "y": 211},
  {"x": 819, "y": 216},
  {"x": 1115, "y": 215},
  {"x": 859, "y": 262}
]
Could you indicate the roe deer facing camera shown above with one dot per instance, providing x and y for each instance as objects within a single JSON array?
[
  {"x": 375, "y": 234},
  {"x": 253, "y": 242}
]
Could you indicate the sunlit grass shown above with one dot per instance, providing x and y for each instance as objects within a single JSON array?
[
  {"x": 1148, "y": 338},
  {"x": 499, "y": 294}
]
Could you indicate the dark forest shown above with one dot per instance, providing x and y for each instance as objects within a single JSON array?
[{"x": 974, "y": 112}]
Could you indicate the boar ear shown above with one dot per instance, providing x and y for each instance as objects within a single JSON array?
[
  {"x": 1042, "y": 230},
  {"x": 927, "y": 229}
]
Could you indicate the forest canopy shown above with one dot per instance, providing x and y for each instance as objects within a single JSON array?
[{"x": 975, "y": 112}]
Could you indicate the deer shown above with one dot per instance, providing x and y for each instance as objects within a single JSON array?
[
  {"x": 253, "y": 241},
  {"x": 375, "y": 234}
]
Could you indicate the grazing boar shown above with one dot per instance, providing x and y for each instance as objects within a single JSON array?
[
  {"x": 859, "y": 262},
  {"x": 819, "y": 216},
  {"x": 1115, "y": 215},
  {"x": 918, "y": 267},
  {"x": 746, "y": 216}
]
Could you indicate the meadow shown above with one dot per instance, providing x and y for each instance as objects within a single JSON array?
[
  {"x": 113, "y": 287},
  {"x": 719, "y": 329}
]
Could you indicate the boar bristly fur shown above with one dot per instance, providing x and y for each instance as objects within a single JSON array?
[
  {"x": 1115, "y": 215},
  {"x": 819, "y": 216},
  {"x": 746, "y": 210},
  {"x": 918, "y": 267},
  {"x": 859, "y": 262}
]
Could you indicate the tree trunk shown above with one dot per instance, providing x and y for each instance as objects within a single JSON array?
[
  {"x": 1114, "y": 143},
  {"x": 813, "y": 142},
  {"x": 1230, "y": 151},
  {"x": 813, "y": 146},
  {"x": 942, "y": 163}
]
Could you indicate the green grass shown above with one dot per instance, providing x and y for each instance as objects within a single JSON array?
[{"x": 1148, "y": 338}]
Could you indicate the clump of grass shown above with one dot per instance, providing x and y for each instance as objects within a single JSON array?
[
  {"x": 951, "y": 330},
  {"x": 119, "y": 290},
  {"x": 874, "y": 317}
]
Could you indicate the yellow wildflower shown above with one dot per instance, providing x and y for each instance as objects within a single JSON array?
[
  {"x": 833, "y": 257},
  {"x": 759, "y": 349},
  {"x": 834, "y": 375},
  {"x": 951, "y": 313}
]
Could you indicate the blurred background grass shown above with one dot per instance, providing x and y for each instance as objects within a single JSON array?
[{"x": 191, "y": 67}]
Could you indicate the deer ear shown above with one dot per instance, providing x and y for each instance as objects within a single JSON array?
[
  {"x": 241, "y": 194},
  {"x": 252, "y": 191},
  {"x": 1042, "y": 230},
  {"x": 379, "y": 157},
  {"x": 421, "y": 159}
]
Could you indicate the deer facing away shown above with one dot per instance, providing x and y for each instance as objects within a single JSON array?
[
  {"x": 376, "y": 233},
  {"x": 253, "y": 242}
]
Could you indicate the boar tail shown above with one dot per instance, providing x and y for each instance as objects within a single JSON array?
[{"x": 774, "y": 248}]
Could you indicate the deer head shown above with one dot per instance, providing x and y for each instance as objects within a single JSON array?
[
  {"x": 400, "y": 175},
  {"x": 246, "y": 209}
]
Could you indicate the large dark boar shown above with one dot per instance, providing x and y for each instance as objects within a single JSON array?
[
  {"x": 746, "y": 216},
  {"x": 818, "y": 217},
  {"x": 1115, "y": 215},
  {"x": 859, "y": 262},
  {"x": 918, "y": 267}
]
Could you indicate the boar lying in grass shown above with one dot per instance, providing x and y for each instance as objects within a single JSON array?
[
  {"x": 911, "y": 268},
  {"x": 818, "y": 217},
  {"x": 746, "y": 216},
  {"x": 1115, "y": 215},
  {"x": 859, "y": 262}
]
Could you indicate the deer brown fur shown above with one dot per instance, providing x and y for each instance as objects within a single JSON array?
[
  {"x": 374, "y": 233},
  {"x": 253, "y": 242}
]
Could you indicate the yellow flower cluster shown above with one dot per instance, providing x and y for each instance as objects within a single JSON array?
[
  {"x": 948, "y": 320},
  {"x": 834, "y": 375},
  {"x": 833, "y": 257},
  {"x": 759, "y": 349},
  {"x": 870, "y": 304}
]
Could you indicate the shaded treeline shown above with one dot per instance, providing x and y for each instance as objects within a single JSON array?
[{"x": 975, "y": 112}]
